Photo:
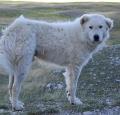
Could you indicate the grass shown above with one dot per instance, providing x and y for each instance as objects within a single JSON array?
[{"x": 98, "y": 81}]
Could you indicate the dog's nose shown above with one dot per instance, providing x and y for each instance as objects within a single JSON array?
[{"x": 96, "y": 38}]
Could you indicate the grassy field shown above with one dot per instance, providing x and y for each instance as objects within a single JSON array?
[{"x": 99, "y": 84}]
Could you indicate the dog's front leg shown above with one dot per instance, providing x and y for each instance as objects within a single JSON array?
[{"x": 71, "y": 78}]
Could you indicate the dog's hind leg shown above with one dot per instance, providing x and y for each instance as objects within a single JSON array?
[
  {"x": 6, "y": 65},
  {"x": 20, "y": 73},
  {"x": 71, "y": 78},
  {"x": 10, "y": 85}
]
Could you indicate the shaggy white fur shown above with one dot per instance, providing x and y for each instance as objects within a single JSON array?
[{"x": 69, "y": 44}]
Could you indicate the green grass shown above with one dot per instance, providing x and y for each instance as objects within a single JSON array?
[{"x": 97, "y": 81}]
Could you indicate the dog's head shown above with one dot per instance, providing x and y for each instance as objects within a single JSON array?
[{"x": 96, "y": 27}]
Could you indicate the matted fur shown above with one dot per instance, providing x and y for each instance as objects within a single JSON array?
[{"x": 69, "y": 44}]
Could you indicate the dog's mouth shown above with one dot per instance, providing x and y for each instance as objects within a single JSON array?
[
  {"x": 95, "y": 43},
  {"x": 96, "y": 40}
]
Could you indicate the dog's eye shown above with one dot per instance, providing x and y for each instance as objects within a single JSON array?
[
  {"x": 91, "y": 27},
  {"x": 100, "y": 26}
]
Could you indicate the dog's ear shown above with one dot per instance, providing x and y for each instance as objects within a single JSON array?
[
  {"x": 109, "y": 23},
  {"x": 84, "y": 19}
]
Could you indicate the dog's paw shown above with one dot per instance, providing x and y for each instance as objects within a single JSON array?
[
  {"x": 20, "y": 102},
  {"x": 18, "y": 106},
  {"x": 77, "y": 101},
  {"x": 73, "y": 99}
]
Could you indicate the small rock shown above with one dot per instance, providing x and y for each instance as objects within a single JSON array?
[
  {"x": 117, "y": 80},
  {"x": 108, "y": 77},
  {"x": 1, "y": 110},
  {"x": 88, "y": 113},
  {"x": 60, "y": 86},
  {"x": 109, "y": 102},
  {"x": 94, "y": 74},
  {"x": 102, "y": 73},
  {"x": 94, "y": 77},
  {"x": 53, "y": 86}
]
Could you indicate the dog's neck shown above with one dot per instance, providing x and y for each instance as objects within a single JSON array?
[{"x": 91, "y": 46}]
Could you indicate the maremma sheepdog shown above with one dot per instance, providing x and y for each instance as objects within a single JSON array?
[{"x": 69, "y": 44}]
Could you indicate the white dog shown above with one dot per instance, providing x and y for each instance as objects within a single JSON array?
[{"x": 69, "y": 44}]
